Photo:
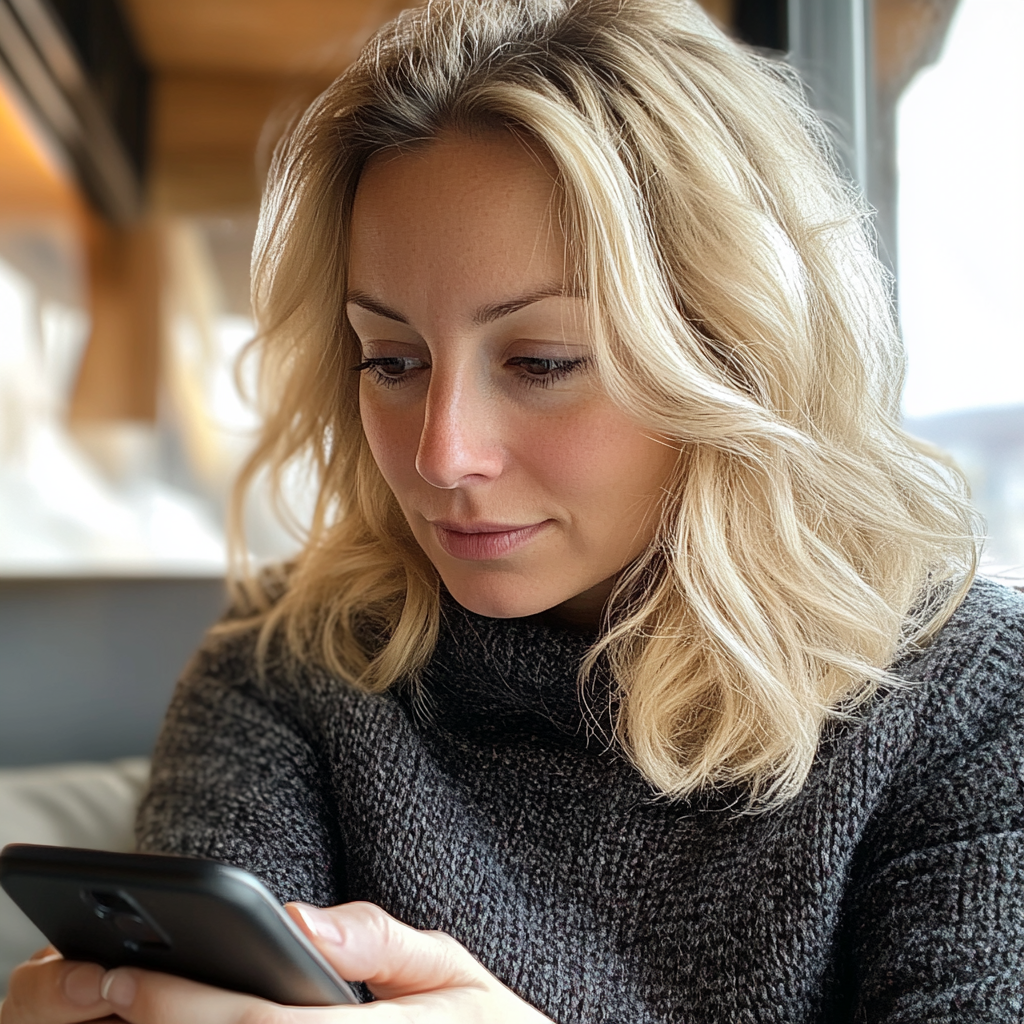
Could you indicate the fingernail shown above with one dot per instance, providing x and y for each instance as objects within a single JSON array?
[
  {"x": 82, "y": 984},
  {"x": 118, "y": 988},
  {"x": 319, "y": 922}
]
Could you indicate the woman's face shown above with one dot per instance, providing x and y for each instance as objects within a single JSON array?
[{"x": 524, "y": 484}]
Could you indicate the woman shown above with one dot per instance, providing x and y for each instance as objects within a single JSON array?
[{"x": 633, "y": 649}]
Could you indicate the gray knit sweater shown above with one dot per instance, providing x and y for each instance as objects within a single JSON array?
[{"x": 891, "y": 890}]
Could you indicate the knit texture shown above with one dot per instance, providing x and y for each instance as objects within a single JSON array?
[{"x": 890, "y": 890}]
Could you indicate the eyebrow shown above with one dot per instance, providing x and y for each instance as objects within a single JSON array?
[
  {"x": 484, "y": 315},
  {"x": 495, "y": 311},
  {"x": 371, "y": 305}
]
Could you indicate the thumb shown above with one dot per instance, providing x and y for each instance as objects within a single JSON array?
[{"x": 363, "y": 942}]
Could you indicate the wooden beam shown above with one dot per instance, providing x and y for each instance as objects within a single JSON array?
[
  {"x": 908, "y": 36},
  {"x": 721, "y": 12},
  {"x": 118, "y": 376}
]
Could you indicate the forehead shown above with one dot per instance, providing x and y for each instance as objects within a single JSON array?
[
  {"x": 467, "y": 200},
  {"x": 483, "y": 166}
]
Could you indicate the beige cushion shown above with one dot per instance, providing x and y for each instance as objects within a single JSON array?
[{"x": 87, "y": 805}]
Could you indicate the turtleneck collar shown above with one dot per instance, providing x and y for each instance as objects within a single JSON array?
[{"x": 510, "y": 675}]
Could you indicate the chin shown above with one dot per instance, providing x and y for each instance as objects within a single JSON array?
[{"x": 498, "y": 598}]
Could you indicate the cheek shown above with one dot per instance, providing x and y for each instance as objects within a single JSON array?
[
  {"x": 393, "y": 436},
  {"x": 607, "y": 470}
]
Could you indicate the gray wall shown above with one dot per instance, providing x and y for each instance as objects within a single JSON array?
[{"x": 87, "y": 666}]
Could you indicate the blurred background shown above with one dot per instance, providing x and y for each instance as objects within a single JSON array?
[{"x": 133, "y": 138}]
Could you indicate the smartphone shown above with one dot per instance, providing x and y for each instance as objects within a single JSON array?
[{"x": 195, "y": 918}]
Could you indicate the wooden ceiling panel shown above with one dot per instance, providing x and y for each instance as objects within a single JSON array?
[
  {"x": 32, "y": 181},
  {"x": 226, "y": 71},
  {"x": 271, "y": 37},
  {"x": 207, "y": 135},
  {"x": 212, "y": 114},
  {"x": 260, "y": 37}
]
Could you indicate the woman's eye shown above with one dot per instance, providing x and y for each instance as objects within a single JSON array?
[
  {"x": 389, "y": 370},
  {"x": 546, "y": 371}
]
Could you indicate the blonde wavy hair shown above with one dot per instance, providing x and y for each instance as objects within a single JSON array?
[{"x": 737, "y": 307}]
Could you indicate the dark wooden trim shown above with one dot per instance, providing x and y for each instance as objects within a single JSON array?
[{"x": 89, "y": 89}]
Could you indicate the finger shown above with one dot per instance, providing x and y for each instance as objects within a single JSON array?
[
  {"x": 146, "y": 997},
  {"x": 362, "y": 941},
  {"x": 51, "y": 990}
]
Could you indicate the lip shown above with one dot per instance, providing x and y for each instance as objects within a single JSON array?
[{"x": 483, "y": 541}]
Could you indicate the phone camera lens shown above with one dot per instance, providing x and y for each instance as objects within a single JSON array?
[
  {"x": 136, "y": 930},
  {"x": 108, "y": 903}
]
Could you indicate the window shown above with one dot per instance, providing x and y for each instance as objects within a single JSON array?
[{"x": 960, "y": 150}]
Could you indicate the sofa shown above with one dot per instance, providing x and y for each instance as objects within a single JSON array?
[{"x": 86, "y": 804}]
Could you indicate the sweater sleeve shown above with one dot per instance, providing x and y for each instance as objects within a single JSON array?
[
  {"x": 937, "y": 912},
  {"x": 237, "y": 778}
]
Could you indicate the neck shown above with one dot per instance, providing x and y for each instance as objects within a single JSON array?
[{"x": 584, "y": 611}]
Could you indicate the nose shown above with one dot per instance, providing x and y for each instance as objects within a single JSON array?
[{"x": 461, "y": 440}]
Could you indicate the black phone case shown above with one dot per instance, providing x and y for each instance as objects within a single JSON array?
[{"x": 198, "y": 919}]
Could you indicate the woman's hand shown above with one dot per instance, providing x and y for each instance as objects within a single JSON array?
[
  {"x": 426, "y": 977},
  {"x": 47, "y": 989},
  {"x": 423, "y": 975}
]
